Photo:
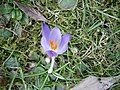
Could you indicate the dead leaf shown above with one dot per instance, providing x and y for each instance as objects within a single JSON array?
[
  {"x": 35, "y": 14},
  {"x": 96, "y": 83},
  {"x": 3, "y": 80}
]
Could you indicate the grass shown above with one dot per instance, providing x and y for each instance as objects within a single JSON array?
[{"x": 94, "y": 48}]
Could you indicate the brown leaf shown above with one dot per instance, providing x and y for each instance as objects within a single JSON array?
[
  {"x": 3, "y": 81},
  {"x": 35, "y": 14}
]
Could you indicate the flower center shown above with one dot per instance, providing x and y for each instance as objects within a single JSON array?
[{"x": 53, "y": 44}]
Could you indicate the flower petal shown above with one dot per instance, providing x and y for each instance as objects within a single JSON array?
[
  {"x": 51, "y": 53},
  {"x": 45, "y": 44},
  {"x": 55, "y": 35},
  {"x": 63, "y": 46},
  {"x": 63, "y": 49},
  {"x": 45, "y": 30}
]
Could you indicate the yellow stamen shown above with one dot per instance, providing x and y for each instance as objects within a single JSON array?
[{"x": 53, "y": 44}]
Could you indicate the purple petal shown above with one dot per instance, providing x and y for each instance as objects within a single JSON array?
[
  {"x": 55, "y": 34},
  {"x": 45, "y": 30},
  {"x": 63, "y": 49},
  {"x": 64, "y": 40},
  {"x": 64, "y": 43},
  {"x": 51, "y": 53},
  {"x": 45, "y": 44}
]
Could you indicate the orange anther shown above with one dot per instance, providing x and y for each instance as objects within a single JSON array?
[{"x": 53, "y": 44}]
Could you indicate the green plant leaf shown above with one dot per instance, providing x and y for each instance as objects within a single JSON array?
[
  {"x": 17, "y": 14},
  {"x": 38, "y": 70},
  {"x": 25, "y": 19},
  {"x": 12, "y": 62},
  {"x": 18, "y": 29},
  {"x": 5, "y": 8},
  {"x": 83, "y": 66},
  {"x": 46, "y": 88},
  {"x": 5, "y": 33},
  {"x": 67, "y": 4},
  {"x": 58, "y": 76},
  {"x": 34, "y": 56},
  {"x": 4, "y": 19}
]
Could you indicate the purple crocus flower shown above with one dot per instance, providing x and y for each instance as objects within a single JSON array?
[{"x": 53, "y": 42}]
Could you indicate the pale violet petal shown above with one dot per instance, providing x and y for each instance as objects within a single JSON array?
[
  {"x": 45, "y": 44},
  {"x": 55, "y": 35},
  {"x": 45, "y": 30},
  {"x": 63, "y": 46},
  {"x": 63, "y": 49}
]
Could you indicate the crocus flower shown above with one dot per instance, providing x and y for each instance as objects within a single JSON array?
[{"x": 52, "y": 41}]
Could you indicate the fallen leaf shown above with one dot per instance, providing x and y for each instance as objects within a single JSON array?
[
  {"x": 3, "y": 80},
  {"x": 96, "y": 83},
  {"x": 30, "y": 11}
]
